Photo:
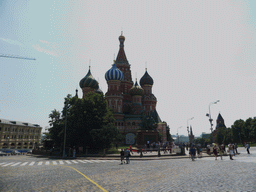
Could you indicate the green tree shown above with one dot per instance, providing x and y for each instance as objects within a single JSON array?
[{"x": 89, "y": 122}]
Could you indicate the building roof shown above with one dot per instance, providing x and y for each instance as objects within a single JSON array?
[{"x": 19, "y": 123}]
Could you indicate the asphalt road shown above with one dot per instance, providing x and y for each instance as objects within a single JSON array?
[{"x": 28, "y": 173}]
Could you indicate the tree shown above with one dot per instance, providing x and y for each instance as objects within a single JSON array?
[
  {"x": 168, "y": 134},
  {"x": 237, "y": 129},
  {"x": 89, "y": 122}
]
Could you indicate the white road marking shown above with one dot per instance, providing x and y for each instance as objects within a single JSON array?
[
  {"x": 15, "y": 164},
  {"x": 82, "y": 161},
  {"x": 47, "y": 163},
  {"x": 32, "y": 163},
  {"x": 7, "y": 164},
  {"x": 54, "y": 163},
  {"x": 61, "y": 162},
  {"x": 74, "y": 161},
  {"x": 68, "y": 162},
  {"x": 40, "y": 163},
  {"x": 24, "y": 164},
  {"x": 2, "y": 163}
]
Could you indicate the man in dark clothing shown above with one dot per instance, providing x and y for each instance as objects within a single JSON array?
[
  {"x": 192, "y": 152},
  {"x": 122, "y": 155}
]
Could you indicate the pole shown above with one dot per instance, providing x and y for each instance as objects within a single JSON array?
[
  {"x": 188, "y": 128},
  {"x": 210, "y": 118},
  {"x": 64, "y": 153}
]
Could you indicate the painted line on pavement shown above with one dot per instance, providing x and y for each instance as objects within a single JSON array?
[
  {"x": 24, "y": 164},
  {"x": 7, "y": 164},
  {"x": 54, "y": 163},
  {"x": 32, "y": 163},
  {"x": 61, "y": 162},
  {"x": 87, "y": 178},
  {"x": 15, "y": 164},
  {"x": 40, "y": 163}
]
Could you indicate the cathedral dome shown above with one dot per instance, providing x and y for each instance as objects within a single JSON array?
[
  {"x": 89, "y": 81},
  {"x": 136, "y": 90},
  {"x": 114, "y": 74},
  {"x": 146, "y": 79}
]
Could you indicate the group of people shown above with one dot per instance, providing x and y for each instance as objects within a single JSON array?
[{"x": 195, "y": 149}]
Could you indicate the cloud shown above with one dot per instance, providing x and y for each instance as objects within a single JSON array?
[
  {"x": 50, "y": 49},
  {"x": 13, "y": 42}
]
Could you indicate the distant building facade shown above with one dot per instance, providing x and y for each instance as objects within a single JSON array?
[
  {"x": 19, "y": 135},
  {"x": 132, "y": 104}
]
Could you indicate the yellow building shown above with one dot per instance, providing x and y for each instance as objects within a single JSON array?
[{"x": 19, "y": 135}]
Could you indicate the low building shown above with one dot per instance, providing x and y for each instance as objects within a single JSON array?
[{"x": 19, "y": 135}]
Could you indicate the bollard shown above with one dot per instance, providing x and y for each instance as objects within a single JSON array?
[{"x": 141, "y": 155}]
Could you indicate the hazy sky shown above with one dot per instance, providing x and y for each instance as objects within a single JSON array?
[{"x": 196, "y": 51}]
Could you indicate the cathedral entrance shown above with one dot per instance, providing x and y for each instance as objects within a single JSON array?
[{"x": 130, "y": 139}]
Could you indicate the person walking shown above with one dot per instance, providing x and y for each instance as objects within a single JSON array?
[
  {"x": 215, "y": 151},
  {"x": 122, "y": 155},
  {"x": 127, "y": 156},
  {"x": 231, "y": 151},
  {"x": 247, "y": 146},
  {"x": 221, "y": 150},
  {"x": 192, "y": 152}
]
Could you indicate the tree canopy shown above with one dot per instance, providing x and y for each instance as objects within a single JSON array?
[{"x": 89, "y": 123}]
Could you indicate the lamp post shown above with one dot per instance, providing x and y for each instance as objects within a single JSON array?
[
  {"x": 209, "y": 114},
  {"x": 178, "y": 135},
  {"x": 188, "y": 128},
  {"x": 65, "y": 130}
]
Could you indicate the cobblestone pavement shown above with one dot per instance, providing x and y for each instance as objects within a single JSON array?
[{"x": 205, "y": 174}]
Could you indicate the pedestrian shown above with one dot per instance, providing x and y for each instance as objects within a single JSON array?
[
  {"x": 192, "y": 152},
  {"x": 74, "y": 152},
  {"x": 231, "y": 152},
  {"x": 247, "y": 146},
  {"x": 215, "y": 151},
  {"x": 208, "y": 148},
  {"x": 236, "y": 148},
  {"x": 221, "y": 150},
  {"x": 131, "y": 149},
  {"x": 127, "y": 156},
  {"x": 148, "y": 144},
  {"x": 122, "y": 155}
]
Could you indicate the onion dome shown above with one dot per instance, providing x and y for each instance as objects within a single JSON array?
[
  {"x": 98, "y": 90},
  {"x": 136, "y": 90},
  {"x": 146, "y": 79},
  {"x": 114, "y": 74},
  {"x": 89, "y": 81}
]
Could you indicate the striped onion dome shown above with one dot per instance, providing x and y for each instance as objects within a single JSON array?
[
  {"x": 89, "y": 81},
  {"x": 114, "y": 74},
  {"x": 136, "y": 90},
  {"x": 146, "y": 79}
]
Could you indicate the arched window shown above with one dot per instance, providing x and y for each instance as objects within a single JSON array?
[{"x": 133, "y": 123}]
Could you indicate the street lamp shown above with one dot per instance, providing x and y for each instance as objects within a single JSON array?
[
  {"x": 209, "y": 114},
  {"x": 65, "y": 130},
  {"x": 178, "y": 135},
  {"x": 188, "y": 127}
]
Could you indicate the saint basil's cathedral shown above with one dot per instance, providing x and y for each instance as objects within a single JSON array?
[{"x": 133, "y": 106}]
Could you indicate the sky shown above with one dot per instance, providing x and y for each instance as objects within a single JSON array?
[{"x": 196, "y": 51}]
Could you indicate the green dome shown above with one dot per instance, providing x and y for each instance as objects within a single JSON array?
[
  {"x": 136, "y": 90},
  {"x": 89, "y": 81}
]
